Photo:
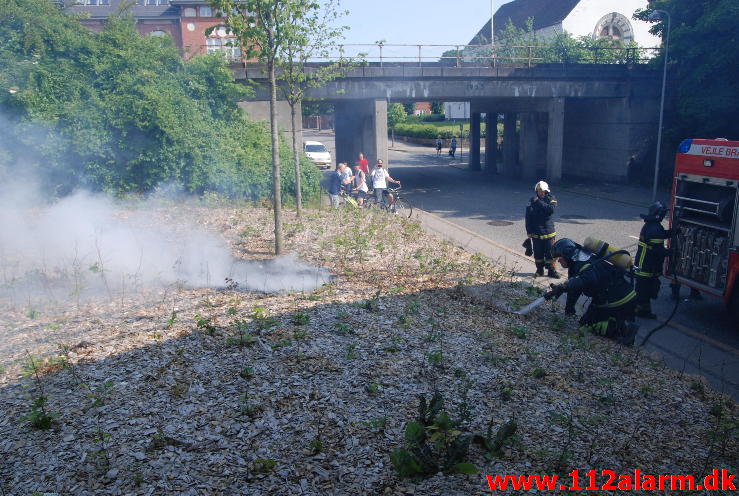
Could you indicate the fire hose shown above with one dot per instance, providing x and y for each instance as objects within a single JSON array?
[{"x": 675, "y": 245}]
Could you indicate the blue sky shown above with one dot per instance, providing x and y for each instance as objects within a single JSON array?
[{"x": 416, "y": 21}]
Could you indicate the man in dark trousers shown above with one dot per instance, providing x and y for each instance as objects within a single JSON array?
[
  {"x": 650, "y": 257},
  {"x": 540, "y": 228},
  {"x": 611, "y": 311}
]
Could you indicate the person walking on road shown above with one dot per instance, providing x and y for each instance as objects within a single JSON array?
[
  {"x": 453, "y": 147},
  {"x": 438, "y": 146},
  {"x": 650, "y": 256},
  {"x": 540, "y": 228}
]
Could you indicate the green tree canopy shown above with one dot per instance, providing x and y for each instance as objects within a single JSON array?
[
  {"x": 120, "y": 112},
  {"x": 396, "y": 114},
  {"x": 703, "y": 87}
]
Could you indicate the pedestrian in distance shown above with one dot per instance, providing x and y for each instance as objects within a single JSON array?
[
  {"x": 650, "y": 257},
  {"x": 359, "y": 185},
  {"x": 346, "y": 179},
  {"x": 453, "y": 147},
  {"x": 363, "y": 164},
  {"x": 540, "y": 228},
  {"x": 336, "y": 184},
  {"x": 438, "y": 146}
]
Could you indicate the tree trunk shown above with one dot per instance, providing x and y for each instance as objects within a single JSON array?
[
  {"x": 296, "y": 159},
  {"x": 276, "y": 193}
]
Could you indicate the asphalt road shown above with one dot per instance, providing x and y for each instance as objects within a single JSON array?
[{"x": 700, "y": 339}]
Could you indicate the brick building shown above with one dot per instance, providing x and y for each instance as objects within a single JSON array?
[{"x": 185, "y": 21}]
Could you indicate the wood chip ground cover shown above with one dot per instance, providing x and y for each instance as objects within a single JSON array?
[{"x": 188, "y": 391}]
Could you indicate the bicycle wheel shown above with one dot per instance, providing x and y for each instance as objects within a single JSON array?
[{"x": 403, "y": 208}]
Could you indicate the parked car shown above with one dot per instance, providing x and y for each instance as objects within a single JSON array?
[{"x": 318, "y": 153}]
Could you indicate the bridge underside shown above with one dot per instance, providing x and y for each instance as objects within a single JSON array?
[{"x": 593, "y": 122}]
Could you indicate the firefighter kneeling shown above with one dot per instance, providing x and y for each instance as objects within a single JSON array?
[{"x": 611, "y": 311}]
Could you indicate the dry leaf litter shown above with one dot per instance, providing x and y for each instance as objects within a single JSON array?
[{"x": 185, "y": 391}]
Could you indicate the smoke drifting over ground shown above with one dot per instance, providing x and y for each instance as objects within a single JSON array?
[{"x": 87, "y": 244}]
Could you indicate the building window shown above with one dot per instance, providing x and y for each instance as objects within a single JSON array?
[
  {"x": 206, "y": 12},
  {"x": 215, "y": 45},
  {"x": 92, "y": 2},
  {"x": 190, "y": 12},
  {"x": 223, "y": 41},
  {"x": 158, "y": 33}
]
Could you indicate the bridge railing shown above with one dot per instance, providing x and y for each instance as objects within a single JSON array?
[
  {"x": 487, "y": 56},
  {"x": 477, "y": 55}
]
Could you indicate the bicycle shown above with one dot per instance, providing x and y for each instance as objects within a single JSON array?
[{"x": 400, "y": 206}]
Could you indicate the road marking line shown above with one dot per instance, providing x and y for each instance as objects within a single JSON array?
[
  {"x": 633, "y": 237},
  {"x": 702, "y": 337}
]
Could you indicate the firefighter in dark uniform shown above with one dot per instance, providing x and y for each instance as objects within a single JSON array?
[
  {"x": 650, "y": 256},
  {"x": 540, "y": 228},
  {"x": 611, "y": 311}
]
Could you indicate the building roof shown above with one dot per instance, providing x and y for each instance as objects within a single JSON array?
[
  {"x": 138, "y": 11},
  {"x": 544, "y": 12}
]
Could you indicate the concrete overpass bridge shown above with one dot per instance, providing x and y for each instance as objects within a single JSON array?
[{"x": 580, "y": 120}]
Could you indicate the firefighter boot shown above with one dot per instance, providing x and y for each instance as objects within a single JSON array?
[
  {"x": 552, "y": 272},
  {"x": 539, "y": 269},
  {"x": 644, "y": 310},
  {"x": 628, "y": 332}
]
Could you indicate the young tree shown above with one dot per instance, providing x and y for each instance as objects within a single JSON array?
[
  {"x": 264, "y": 28},
  {"x": 395, "y": 114},
  {"x": 313, "y": 32}
]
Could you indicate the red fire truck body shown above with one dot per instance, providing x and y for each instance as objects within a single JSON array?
[{"x": 705, "y": 205}]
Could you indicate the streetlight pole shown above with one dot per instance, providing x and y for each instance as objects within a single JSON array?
[
  {"x": 653, "y": 17},
  {"x": 492, "y": 31}
]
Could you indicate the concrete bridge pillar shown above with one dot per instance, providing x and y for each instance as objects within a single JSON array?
[
  {"x": 361, "y": 126},
  {"x": 475, "y": 141},
  {"x": 510, "y": 145},
  {"x": 529, "y": 145},
  {"x": 491, "y": 141},
  {"x": 555, "y": 139}
]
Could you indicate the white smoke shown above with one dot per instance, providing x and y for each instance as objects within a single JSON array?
[{"x": 84, "y": 240}]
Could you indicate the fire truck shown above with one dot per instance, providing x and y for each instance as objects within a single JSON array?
[{"x": 705, "y": 206}]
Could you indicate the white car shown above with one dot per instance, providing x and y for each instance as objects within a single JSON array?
[{"x": 318, "y": 153}]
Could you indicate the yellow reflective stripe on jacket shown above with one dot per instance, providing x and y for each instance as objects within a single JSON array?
[
  {"x": 640, "y": 273},
  {"x": 642, "y": 255},
  {"x": 583, "y": 267},
  {"x": 543, "y": 236},
  {"x": 656, "y": 241},
  {"x": 620, "y": 302}
]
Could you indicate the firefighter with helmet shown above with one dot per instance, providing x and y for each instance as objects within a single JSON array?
[
  {"x": 540, "y": 228},
  {"x": 611, "y": 311},
  {"x": 650, "y": 256}
]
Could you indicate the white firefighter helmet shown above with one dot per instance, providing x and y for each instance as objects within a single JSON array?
[{"x": 541, "y": 186}]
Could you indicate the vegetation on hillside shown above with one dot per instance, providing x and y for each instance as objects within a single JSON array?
[{"x": 119, "y": 112}]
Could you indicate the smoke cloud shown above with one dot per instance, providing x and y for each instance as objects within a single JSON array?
[{"x": 84, "y": 244}]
